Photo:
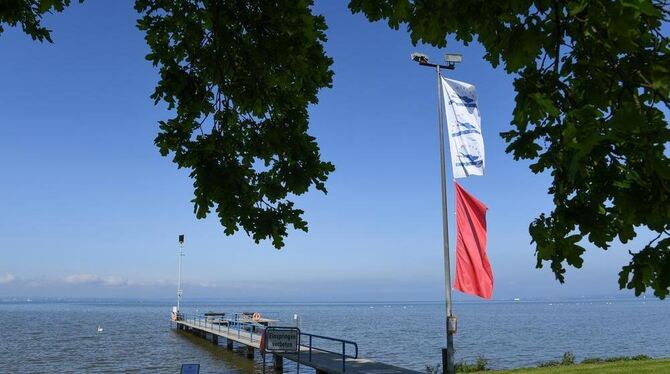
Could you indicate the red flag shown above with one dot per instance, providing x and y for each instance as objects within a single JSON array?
[{"x": 473, "y": 271}]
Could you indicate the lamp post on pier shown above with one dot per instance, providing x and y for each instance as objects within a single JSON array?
[
  {"x": 450, "y": 323},
  {"x": 181, "y": 254}
]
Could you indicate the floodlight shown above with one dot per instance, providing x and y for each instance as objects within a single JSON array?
[
  {"x": 453, "y": 58},
  {"x": 420, "y": 58},
  {"x": 181, "y": 239}
]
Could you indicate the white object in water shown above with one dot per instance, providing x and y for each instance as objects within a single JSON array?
[{"x": 100, "y": 329}]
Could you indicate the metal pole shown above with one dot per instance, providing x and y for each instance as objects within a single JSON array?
[
  {"x": 297, "y": 367},
  {"x": 448, "y": 353},
  {"x": 181, "y": 254}
]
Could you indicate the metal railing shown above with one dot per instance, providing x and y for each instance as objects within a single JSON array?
[
  {"x": 343, "y": 353},
  {"x": 241, "y": 326},
  {"x": 229, "y": 326}
]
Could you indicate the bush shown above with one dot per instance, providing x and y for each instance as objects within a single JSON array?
[
  {"x": 547, "y": 364},
  {"x": 480, "y": 364},
  {"x": 568, "y": 359}
]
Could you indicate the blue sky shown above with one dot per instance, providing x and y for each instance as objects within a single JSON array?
[{"x": 90, "y": 208}]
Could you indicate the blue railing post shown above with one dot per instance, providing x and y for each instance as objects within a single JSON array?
[
  {"x": 344, "y": 358},
  {"x": 310, "y": 348}
]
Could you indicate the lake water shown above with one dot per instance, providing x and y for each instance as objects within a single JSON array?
[{"x": 50, "y": 337}]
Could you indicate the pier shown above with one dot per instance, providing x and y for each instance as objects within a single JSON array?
[{"x": 315, "y": 351}]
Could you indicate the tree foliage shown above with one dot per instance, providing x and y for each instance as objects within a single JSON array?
[
  {"x": 28, "y": 15},
  {"x": 592, "y": 83},
  {"x": 239, "y": 76}
]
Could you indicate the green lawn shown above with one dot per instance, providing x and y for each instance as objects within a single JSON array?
[{"x": 621, "y": 367}]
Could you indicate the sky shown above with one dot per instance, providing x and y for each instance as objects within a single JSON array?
[{"x": 91, "y": 209}]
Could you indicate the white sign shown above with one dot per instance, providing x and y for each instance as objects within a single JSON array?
[{"x": 282, "y": 339}]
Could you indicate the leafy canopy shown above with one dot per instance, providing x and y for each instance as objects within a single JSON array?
[
  {"x": 592, "y": 81},
  {"x": 28, "y": 15},
  {"x": 239, "y": 76}
]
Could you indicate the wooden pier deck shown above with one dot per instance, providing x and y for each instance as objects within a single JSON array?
[
  {"x": 321, "y": 360},
  {"x": 325, "y": 362}
]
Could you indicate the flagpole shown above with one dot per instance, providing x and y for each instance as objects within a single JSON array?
[
  {"x": 448, "y": 353},
  {"x": 448, "y": 365}
]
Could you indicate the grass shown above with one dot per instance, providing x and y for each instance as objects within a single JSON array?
[
  {"x": 567, "y": 365},
  {"x": 616, "y": 367}
]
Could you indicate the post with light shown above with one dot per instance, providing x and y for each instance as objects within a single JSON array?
[
  {"x": 181, "y": 254},
  {"x": 447, "y": 353}
]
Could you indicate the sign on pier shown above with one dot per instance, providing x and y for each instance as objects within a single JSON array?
[{"x": 281, "y": 340}]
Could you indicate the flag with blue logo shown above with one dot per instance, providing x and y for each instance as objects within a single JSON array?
[{"x": 464, "y": 128}]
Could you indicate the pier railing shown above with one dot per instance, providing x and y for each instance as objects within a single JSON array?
[
  {"x": 242, "y": 328},
  {"x": 309, "y": 342},
  {"x": 344, "y": 344}
]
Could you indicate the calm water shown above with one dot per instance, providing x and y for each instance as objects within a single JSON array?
[{"x": 40, "y": 337}]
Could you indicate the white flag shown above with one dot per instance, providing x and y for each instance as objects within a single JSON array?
[{"x": 464, "y": 128}]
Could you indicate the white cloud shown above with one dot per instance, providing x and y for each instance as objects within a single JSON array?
[
  {"x": 109, "y": 281},
  {"x": 82, "y": 279},
  {"x": 207, "y": 285},
  {"x": 7, "y": 278},
  {"x": 113, "y": 281},
  {"x": 101, "y": 281}
]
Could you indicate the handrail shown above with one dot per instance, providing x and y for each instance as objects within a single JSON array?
[
  {"x": 343, "y": 354},
  {"x": 239, "y": 327},
  {"x": 335, "y": 340}
]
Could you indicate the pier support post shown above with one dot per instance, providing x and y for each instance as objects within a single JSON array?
[
  {"x": 229, "y": 344},
  {"x": 321, "y": 372},
  {"x": 277, "y": 363},
  {"x": 215, "y": 339},
  {"x": 250, "y": 351}
]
